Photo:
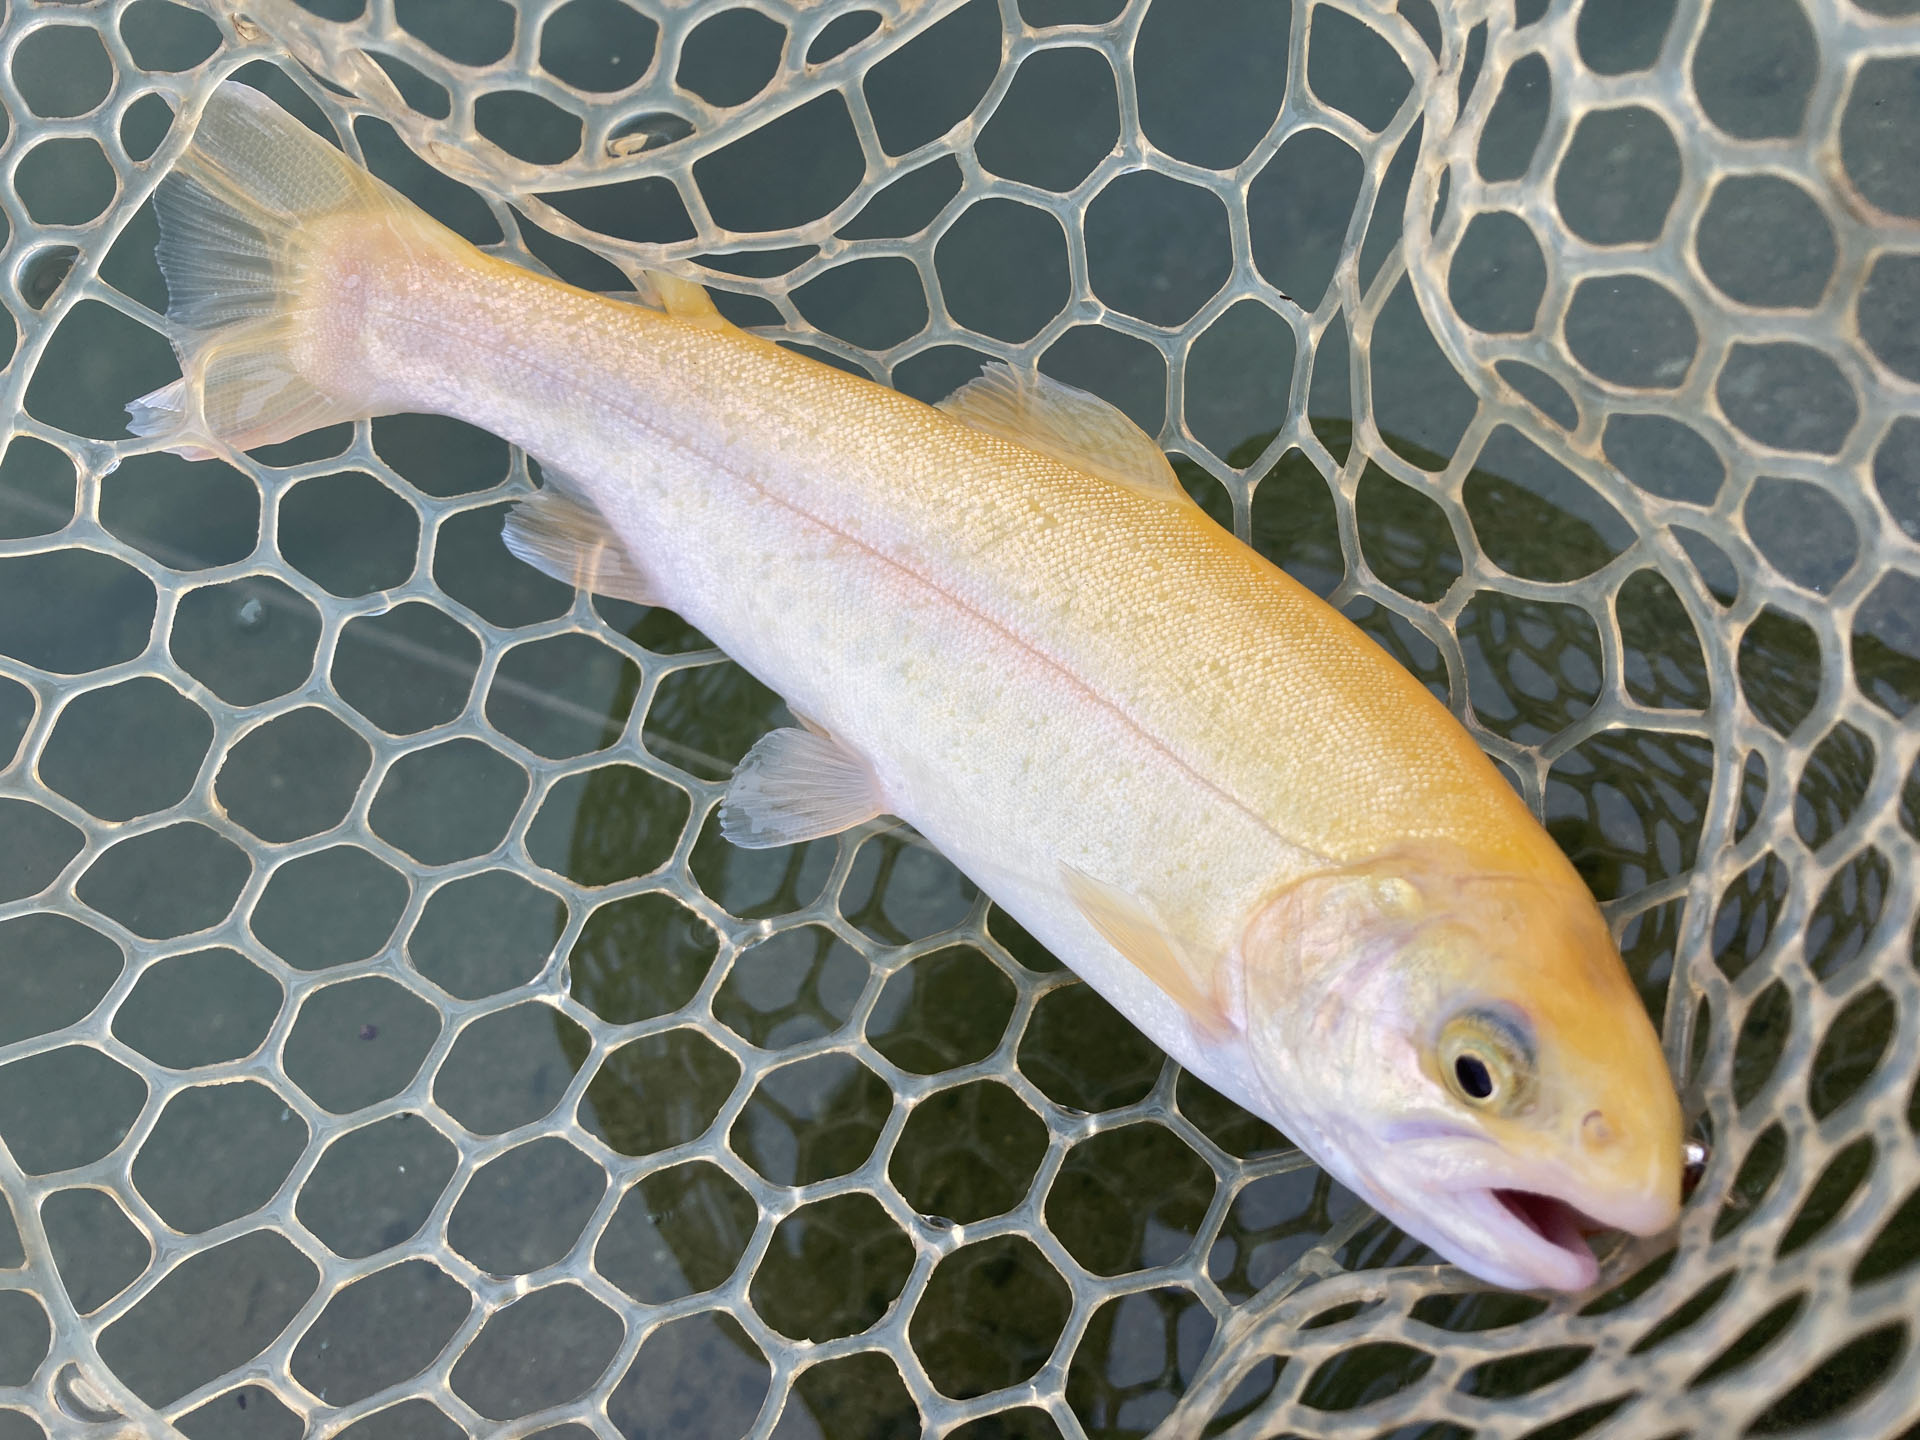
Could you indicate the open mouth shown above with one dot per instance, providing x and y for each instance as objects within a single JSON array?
[
  {"x": 1527, "y": 1239},
  {"x": 1534, "y": 1241},
  {"x": 1552, "y": 1219}
]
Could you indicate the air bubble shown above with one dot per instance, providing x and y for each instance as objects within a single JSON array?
[
  {"x": 646, "y": 132},
  {"x": 41, "y": 274}
]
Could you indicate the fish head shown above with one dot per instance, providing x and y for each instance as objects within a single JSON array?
[{"x": 1465, "y": 1050}]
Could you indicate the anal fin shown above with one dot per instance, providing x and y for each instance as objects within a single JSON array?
[
  {"x": 797, "y": 785},
  {"x": 567, "y": 539},
  {"x": 1124, "y": 923}
]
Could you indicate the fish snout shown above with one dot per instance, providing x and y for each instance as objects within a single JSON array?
[
  {"x": 1641, "y": 1199},
  {"x": 1627, "y": 1161}
]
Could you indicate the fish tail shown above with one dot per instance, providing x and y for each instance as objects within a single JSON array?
[{"x": 261, "y": 290}]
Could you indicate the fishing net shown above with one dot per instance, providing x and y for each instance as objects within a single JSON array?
[{"x": 390, "y": 1046}]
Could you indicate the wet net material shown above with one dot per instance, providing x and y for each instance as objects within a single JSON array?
[{"x": 389, "y": 1044}]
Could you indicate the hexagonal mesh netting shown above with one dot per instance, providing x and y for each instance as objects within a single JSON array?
[{"x": 389, "y": 1045}]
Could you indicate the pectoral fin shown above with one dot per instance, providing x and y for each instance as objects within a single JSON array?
[
  {"x": 561, "y": 536},
  {"x": 796, "y": 785},
  {"x": 1127, "y": 925}
]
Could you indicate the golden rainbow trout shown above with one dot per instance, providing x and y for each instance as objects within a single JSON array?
[{"x": 1003, "y": 621}]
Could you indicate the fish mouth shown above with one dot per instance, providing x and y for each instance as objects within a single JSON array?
[
  {"x": 1556, "y": 1226},
  {"x": 1521, "y": 1239},
  {"x": 1535, "y": 1240}
]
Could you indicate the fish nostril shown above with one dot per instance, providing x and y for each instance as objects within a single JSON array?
[{"x": 1595, "y": 1131}]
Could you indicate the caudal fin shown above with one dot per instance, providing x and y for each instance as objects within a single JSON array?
[{"x": 241, "y": 215}]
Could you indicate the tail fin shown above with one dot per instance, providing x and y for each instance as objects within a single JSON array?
[{"x": 237, "y": 224}]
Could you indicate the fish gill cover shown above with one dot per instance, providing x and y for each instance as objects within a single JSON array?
[{"x": 389, "y": 1044}]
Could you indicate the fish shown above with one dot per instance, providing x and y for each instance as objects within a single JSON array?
[{"x": 1001, "y": 620}]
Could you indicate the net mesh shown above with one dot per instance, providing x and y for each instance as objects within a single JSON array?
[{"x": 390, "y": 1045}]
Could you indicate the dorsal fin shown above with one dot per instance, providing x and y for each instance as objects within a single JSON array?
[
  {"x": 683, "y": 299},
  {"x": 1070, "y": 425},
  {"x": 1124, "y": 923}
]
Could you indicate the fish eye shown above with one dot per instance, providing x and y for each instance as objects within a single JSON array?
[
  {"x": 1475, "y": 1081},
  {"x": 1487, "y": 1059}
]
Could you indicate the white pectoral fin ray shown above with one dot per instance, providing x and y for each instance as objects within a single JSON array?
[
  {"x": 1070, "y": 425},
  {"x": 796, "y": 785},
  {"x": 1124, "y": 923},
  {"x": 567, "y": 539}
]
